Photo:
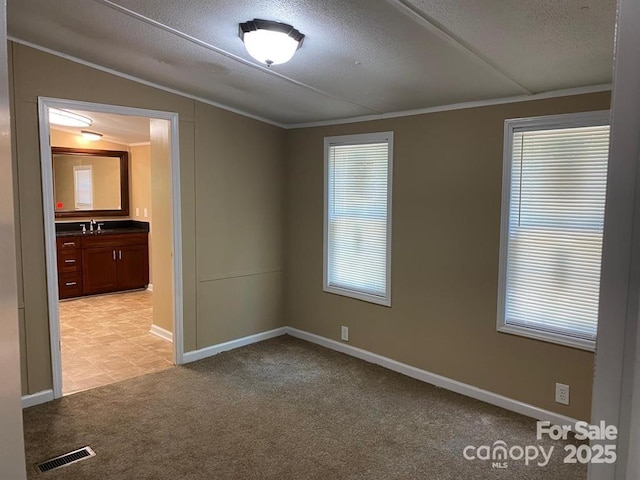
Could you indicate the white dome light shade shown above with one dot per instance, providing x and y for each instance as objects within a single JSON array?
[
  {"x": 68, "y": 119},
  {"x": 272, "y": 48},
  {"x": 271, "y": 43},
  {"x": 92, "y": 136}
]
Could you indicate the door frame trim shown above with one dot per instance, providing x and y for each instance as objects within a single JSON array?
[{"x": 49, "y": 222}]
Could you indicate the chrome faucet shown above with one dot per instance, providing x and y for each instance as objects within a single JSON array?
[{"x": 91, "y": 225}]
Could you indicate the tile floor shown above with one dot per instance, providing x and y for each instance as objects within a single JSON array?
[{"x": 106, "y": 339}]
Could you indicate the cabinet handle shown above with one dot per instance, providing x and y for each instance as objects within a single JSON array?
[
  {"x": 69, "y": 244},
  {"x": 69, "y": 261},
  {"x": 119, "y": 254},
  {"x": 70, "y": 284},
  {"x": 114, "y": 254}
]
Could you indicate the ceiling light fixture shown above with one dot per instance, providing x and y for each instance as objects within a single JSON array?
[
  {"x": 93, "y": 136},
  {"x": 269, "y": 42},
  {"x": 68, "y": 119}
]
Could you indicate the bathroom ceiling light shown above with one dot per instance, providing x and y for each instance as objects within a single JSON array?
[
  {"x": 271, "y": 43},
  {"x": 68, "y": 119},
  {"x": 93, "y": 136}
]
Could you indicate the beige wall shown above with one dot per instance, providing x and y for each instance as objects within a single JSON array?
[
  {"x": 240, "y": 216},
  {"x": 24, "y": 379},
  {"x": 446, "y": 219},
  {"x": 60, "y": 138},
  {"x": 162, "y": 240},
  {"x": 140, "y": 185},
  {"x": 140, "y": 182},
  {"x": 12, "y": 455},
  {"x": 446, "y": 233},
  {"x": 210, "y": 153}
]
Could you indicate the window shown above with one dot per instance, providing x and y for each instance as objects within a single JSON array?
[
  {"x": 554, "y": 186},
  {"x": 357, "y": 220},
  {"x": 83, "y": 187}
]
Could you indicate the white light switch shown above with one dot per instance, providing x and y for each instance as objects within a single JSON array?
[{"x": 137, "y": 211}]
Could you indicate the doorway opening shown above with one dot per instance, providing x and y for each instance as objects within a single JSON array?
[{"x": 111, "y": 198}]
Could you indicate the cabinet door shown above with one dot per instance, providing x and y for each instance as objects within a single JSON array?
[
  {"x": 133, "y": 267},
  {"x": 99, "y": 270}
]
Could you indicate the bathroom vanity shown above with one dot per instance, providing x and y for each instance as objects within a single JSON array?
[{"x": 112, "y": 260}]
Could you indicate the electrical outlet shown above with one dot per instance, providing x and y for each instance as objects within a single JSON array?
[
  {"x": 345, "y": 333},
  {"x": 146, "y": 213},
  {"x": 137, "y": 211},
  {"x": 562, "y": 393}
]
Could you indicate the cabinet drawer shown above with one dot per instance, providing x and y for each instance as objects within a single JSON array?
[
  {"x": 69, "y": 261},
  {"x": 70, "y": 284},
  {"x": 67, "y": 243},
  {"x": 107, "y": 240}
]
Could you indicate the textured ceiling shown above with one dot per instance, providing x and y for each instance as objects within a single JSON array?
[
  {"x": 542, "y": 44},
  {"x": 359, "y": 57}
]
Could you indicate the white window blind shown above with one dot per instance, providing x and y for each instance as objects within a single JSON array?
[
  {"x": 357, "y": 226},
  {"x": 557, "y": 188}
]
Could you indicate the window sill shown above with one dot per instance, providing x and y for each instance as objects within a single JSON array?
[
  {"x": 567, "y": 341},
  {"x": 365, "y": 297}
]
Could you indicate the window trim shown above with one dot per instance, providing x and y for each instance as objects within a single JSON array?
[
  {"x": 355, "y": 140},
  {"x": 584, "y": 119}
]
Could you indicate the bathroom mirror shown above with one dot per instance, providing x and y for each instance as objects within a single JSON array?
[{"x": 90, "y": 183}]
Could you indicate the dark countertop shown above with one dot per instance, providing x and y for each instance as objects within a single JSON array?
[
  {"x": 109, "y": 231},
  {"x": 115, "y": 227}
]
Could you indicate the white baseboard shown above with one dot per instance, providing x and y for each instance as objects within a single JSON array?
[
  {"x": 150, "y": 287},
  {"x": 37, "y": 398},
  {"x": 161, "y": 332},
  {"x": 240, "y": 342},
  {"x": 413, "y": 372},
  {"x": 434, "y": 379}
]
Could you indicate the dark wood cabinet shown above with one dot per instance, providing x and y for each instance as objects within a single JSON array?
[
  {"x": 99, "y": 270},
  {"x": 133, "y": 267},
  {"x": 70, "y": 285},
  {"x": 102, "y": 263},
  {"x": 69, "y": 267},
  {"x": 69, "y": 261}
]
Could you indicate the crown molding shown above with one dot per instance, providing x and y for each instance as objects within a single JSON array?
[{"x": 459, "y": 106}]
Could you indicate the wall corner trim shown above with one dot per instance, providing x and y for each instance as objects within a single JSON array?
[
  {"x": 435, "y": 379},
  {"x": 161, "y": 332},
  {"x": 37, "y": 398},
  {"x": 240, "y": 342}
]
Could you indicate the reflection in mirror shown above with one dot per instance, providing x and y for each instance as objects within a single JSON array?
[
  {"x": 86, "y": 183},
  {"x": 90, "y": 182}
]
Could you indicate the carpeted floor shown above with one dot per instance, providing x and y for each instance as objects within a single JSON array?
[{"x": 281, "y": 409}]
